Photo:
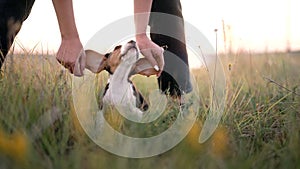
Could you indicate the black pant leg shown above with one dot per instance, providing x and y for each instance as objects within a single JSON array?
[
  {"x": 167, "y": 28},
  {"x": 12, "y": 14}
]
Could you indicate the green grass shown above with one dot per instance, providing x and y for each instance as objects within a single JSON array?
[{"x": 259, "y": 129}]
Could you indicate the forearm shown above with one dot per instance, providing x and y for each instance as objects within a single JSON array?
[
  {"x": 65, "y": 17},
  {"x": 141, "y": 16}
]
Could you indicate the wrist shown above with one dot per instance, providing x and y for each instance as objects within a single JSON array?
[
  {"x": 73, "y": 41},
  {"x": 142, "y": 39},
  {"x": 141, "y": 36},
  {"x": 70, "y": 36}
]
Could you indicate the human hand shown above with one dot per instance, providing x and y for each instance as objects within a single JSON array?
[
  {"x": 72, "y": 56},
  {"x": 152, "y": 52}
]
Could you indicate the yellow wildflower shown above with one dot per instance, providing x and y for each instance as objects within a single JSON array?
[
  {"x": 14, "y": 146},
  {"x": 219, "y": 142}
]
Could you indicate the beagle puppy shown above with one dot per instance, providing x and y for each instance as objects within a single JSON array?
[{"x": 121, "y": 64}]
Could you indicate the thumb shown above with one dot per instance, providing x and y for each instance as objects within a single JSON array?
[
  {"x": 158, "y": 55},
  {"x": 80, "y": 64},
  {"x": 149, "y": 56},
  {"x": 160, "y": 59},
  {"x": 82, "y": 61}
]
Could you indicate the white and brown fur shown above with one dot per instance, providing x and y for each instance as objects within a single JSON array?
[{"x": 121, "y": 64}]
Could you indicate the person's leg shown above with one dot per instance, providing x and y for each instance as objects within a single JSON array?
[
  {"x": 168, "y": 29},
  {"x": 12, "y": 14}
]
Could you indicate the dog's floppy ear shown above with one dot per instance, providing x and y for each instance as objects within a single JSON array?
[
  {"x": 143, "y": 67},
  {"x": 95, "y": 61}
]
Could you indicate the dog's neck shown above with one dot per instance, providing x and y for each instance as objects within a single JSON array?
[{"x": 122, "y": 74}]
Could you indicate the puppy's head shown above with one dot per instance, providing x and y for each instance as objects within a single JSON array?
[{"x": 127, "y": 53}]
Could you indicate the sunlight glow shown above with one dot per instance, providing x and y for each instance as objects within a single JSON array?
[{"x": 248, "y": 25}]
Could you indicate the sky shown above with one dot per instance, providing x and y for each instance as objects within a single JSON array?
[{"x": 256, "y": 25}]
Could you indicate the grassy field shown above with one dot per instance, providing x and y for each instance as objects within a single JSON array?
[{"x": 259, "y": 129}]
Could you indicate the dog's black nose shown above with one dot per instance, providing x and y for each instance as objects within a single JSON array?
[{"x": 132, "y": 41}]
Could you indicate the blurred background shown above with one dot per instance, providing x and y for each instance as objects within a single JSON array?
[{"x": 257, "y": 26}]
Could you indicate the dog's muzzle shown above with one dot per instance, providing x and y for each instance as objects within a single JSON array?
[{"x": 129, "y": 46}]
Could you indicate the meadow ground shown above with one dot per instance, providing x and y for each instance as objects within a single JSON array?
[{"x": 259, "y": 129}]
